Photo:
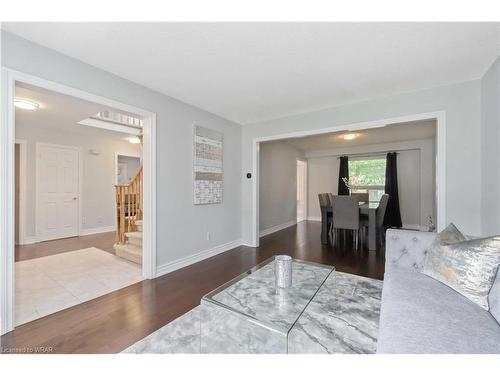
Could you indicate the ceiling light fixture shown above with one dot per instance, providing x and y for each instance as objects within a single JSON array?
[
  {"x": 30, "y": 105},
  {"x": 350, "y": 136},
  {"x": 134, "y": 140}
]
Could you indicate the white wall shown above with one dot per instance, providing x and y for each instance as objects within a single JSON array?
[
  {"x": 98, "y": 173},
  {"x": 461, "y": 103},
  {"x": 278, "y": 184},
  {"x": 182, "y": 226},
  {"x": 490, "y": 150},
  {"x": 416, "y": 172}
]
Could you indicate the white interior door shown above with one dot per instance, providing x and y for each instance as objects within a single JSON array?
[
  {"x": 301, "y": 190},
  {"x": 57, "y": 191}
]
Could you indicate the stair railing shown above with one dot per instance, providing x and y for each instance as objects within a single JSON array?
[{"x": 129, "y": 206}]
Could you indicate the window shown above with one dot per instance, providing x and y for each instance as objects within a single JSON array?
[{"x": 367, "y": 176}]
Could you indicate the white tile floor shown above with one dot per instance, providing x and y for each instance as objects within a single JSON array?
[{"x": 53, "y": 283}]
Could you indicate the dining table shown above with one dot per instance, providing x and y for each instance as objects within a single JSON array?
[{"x": 365, "y": 208}]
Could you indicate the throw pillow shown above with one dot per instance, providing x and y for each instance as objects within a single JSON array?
[{"x": 469, "y": 266}]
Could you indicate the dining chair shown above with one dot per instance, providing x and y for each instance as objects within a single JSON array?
[
  {"x": 325, "y": 202},
  {"x": 362, "y": 197},
  {"x": 330, "y": 197},
  {"x": 346, "y": 216},
  {"x": 379, "y": 218}
]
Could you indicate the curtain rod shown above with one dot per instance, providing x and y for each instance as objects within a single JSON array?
[{"x": 378, "y": 153}]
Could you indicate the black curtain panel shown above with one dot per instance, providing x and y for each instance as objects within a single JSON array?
[
  {"x": 392, "y": 213},
  {"x": 343, "y": 172}
]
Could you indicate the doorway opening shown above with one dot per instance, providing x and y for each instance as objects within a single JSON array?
[
  {"x": 429, "y": 211},
  {"x": 65, "y": 212},
  {"x": 83, "y": 219}
]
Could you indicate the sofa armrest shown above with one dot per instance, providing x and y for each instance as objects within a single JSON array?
[{"x": 406, "y": 249}]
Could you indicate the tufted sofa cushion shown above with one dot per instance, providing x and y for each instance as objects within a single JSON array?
[{"x": 406, "y": 249}]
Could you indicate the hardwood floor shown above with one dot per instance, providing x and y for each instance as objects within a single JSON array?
[
  {"x": 103, "y": 241},
  {"x": 113, "y": 322}
]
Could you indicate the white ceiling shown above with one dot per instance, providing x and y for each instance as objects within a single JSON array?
[
  {"x": 60, "y": 112},
  {"x": 409, "y": 131},
  {"x": 249, "y": 72}
]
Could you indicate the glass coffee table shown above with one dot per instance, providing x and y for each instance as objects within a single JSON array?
[{"x": 250, "y": 315}]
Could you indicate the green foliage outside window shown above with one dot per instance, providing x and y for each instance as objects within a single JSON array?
[{"x": 367, "y": 172}]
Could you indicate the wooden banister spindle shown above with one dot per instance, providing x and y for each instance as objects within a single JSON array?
[
  {"x": 117, "y": 200},
  {"x": 129, "y": 212},
  {"x": 122, "y": 214},
  {"x": 134, "y": 204}
]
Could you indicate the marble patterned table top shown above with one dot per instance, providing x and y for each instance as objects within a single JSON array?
[
  {"x": 342, "y": 317},
  {"x": 254, "y": 294}
]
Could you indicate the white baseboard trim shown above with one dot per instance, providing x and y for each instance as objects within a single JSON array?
[
  {"x": 28, "y": 240},
  {"x": 247, "y": 244},
  {"x": 187, "y": 261},
  {"x": 314, "y": 218},
  {"x": 86, "y": 232},
  {"x": 276, "y": 228}
]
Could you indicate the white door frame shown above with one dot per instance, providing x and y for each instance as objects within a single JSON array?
[
  {"x": 439, "y": 116},
  {"x": 305, "y": 187},
  {"x": 79, "y": 206},
  {"x": 7, "y": 182},
  {"x": 22, "y": 190},
  {"x": 127, "y": 154}
]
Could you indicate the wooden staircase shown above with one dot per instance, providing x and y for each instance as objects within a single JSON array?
[
  {"x": 128, "y": 241},
  {"x": 132, "y": 248}
]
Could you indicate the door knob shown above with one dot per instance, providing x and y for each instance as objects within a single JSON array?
[{"x": 75, "y": 198}]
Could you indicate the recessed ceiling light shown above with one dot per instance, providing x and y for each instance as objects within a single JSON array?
[
  {"x": 350, "y": 136},
  {"x": 134, "y": 140},
  {"x": 30, "y": 105}
]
